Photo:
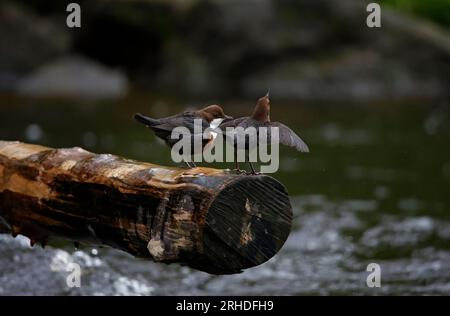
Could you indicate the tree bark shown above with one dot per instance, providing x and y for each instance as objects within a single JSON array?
[{"x": 205, "y": 218}]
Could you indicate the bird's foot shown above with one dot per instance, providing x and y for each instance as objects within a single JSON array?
[
  {"x": 247, "y": 173},
  {"x": 252, "y": 173},
  {"x": 189, "y": 165}
]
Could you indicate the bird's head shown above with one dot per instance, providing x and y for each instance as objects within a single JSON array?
[
  {"x": 262, "y": 109},
  {"x": 214, "y": 113}
]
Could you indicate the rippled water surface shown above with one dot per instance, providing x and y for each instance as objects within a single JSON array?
[{"x": 375, "y": 188}]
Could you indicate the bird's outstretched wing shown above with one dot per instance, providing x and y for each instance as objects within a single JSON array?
[{"x": 289, "y": 138}]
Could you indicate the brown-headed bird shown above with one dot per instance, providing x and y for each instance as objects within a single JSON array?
[
  {"x": 261, "y": 118},
  {"x": 211, "y": 117}
]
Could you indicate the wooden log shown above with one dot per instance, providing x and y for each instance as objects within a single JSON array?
[{"x": 205, "y": 218}]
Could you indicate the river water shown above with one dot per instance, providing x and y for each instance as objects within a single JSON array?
[{"x": 374, "y": 189}]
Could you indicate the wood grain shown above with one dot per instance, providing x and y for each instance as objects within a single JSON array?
[{"x": 208, "y": 219}]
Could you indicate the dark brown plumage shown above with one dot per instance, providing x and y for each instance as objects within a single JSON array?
[
  {"x": 211, "y": 116},
  {"x": 261, "y": 118}
]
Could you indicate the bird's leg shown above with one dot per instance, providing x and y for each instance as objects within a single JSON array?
[
  {"x": 236, "y": 162},
  {"x": 187, "y": 164},
  {"x": 253, "y": 169}
]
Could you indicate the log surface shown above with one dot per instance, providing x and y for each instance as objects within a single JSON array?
[{"x": 205, "y": 218}]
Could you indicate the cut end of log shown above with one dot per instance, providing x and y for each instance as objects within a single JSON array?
[
  {"x": 246, "y": 224},
  {"x": 205, "y": 218}
]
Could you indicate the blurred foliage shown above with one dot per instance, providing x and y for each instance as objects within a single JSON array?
[{"x": 435, "y": 10}]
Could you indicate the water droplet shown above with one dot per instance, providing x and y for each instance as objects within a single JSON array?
[
  {"x": 381, "y": 192},
  {"x": 33, "y": 132},
  {"x": 89, "y": 139}
]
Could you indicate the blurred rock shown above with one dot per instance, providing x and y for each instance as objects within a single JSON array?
[
  {"x": 74, "y": 76},
  {"x": 26, "y": 41},
  {"x": 317, "y": 50},
  {"x": 349, "y": 76},
  {"x": 301, "y": 49}
]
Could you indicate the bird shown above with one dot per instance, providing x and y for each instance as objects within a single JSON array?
[
  {"x": 211, "y": 117},
  {"x": 260, "y": 117}
]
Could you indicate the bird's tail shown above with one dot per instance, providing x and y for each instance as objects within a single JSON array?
[{"x": 145, "y": 119}]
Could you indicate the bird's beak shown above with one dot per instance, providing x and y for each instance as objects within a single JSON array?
[
  {"x": 227, "y": 118},
  {"x": 268, "y": 93}
]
